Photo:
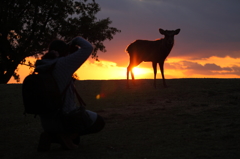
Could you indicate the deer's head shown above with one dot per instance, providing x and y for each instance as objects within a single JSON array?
[{"x": 169, "y": 35}]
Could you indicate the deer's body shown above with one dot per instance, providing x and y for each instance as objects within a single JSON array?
[{"x": 151, "y": 51}]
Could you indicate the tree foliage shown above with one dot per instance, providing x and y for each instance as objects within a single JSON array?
[{"x": 28, "y": 26}]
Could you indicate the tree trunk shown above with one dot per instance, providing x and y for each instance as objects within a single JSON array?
[{"x": 5, "y": 76}]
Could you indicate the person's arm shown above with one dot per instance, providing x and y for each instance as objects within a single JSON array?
[{"x": 73, "y": 61}]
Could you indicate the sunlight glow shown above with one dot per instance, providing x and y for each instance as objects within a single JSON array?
[
  {"x": 140, "y": 71},
  {"x": 212, "y": 67}
]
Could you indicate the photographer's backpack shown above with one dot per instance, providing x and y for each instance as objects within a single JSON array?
[{"x": 40, "y": 93}]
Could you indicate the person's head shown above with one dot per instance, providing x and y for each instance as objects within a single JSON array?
[{"x": 59, "y": 46}]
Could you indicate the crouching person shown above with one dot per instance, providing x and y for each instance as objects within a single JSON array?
[{"x": 71, "y": 121}]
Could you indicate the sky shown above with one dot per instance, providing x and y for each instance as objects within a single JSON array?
[{"x": 208, "y": 45}]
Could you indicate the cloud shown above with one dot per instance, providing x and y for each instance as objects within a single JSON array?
[
  {"x": 188, "y": 65},
  {"x": 236, "y": 70},
  {"x": 191, "y": 69},
  {"x": 105, "y": 64}
]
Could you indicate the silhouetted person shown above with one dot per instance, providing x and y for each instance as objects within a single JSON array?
[{"x": 67, "y": 59}]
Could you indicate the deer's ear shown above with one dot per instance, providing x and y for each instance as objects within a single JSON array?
[
  {"x": 177, "y": 31},
  {"x": 162, "y": 31}
]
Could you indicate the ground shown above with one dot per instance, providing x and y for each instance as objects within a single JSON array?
[{"x": 191, "y": 118}]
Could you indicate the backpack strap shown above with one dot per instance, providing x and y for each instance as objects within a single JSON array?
[
  {"x": 65, "y": 89},
  {"x": 63, "y": 94},
  {"x": 80, "y": 100}
]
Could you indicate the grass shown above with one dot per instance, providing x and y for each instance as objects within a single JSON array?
[{"x": 192, "y": 118}]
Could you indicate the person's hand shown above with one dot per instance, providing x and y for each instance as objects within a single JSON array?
[{"x": 73, "y": 42}]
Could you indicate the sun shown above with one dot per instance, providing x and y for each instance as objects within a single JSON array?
[{"x": 140, "y": 71}]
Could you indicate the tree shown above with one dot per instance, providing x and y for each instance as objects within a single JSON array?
[{"x": 28, "y": 26}]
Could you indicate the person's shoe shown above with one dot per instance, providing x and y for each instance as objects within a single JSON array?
[{"x": 44, "y": 142}]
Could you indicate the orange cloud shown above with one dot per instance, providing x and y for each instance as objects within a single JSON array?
[{"x": 213, "y": 67}]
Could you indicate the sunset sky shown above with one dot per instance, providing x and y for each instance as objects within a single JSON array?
[{"x": 208, "y": 45}]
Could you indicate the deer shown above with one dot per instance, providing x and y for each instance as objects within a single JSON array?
[{"x": 151, "y": 51}]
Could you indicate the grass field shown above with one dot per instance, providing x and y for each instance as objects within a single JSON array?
[{"x": 191, "y": 119}]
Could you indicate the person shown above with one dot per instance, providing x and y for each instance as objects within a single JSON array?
[{"x": 66, "y": 58}]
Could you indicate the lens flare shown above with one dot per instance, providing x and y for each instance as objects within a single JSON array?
[{"x": 98, "y": 96}]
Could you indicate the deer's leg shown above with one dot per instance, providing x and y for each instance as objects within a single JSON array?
[
  {"x": 129, "y": 69},
  {"x": 128, "y": 76},
  {"x": 154, "y": 65},
  {"x": 127, "y": 73},
  {"x": 132, "y": 75},
  {"x": 162, "y": 72}
]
